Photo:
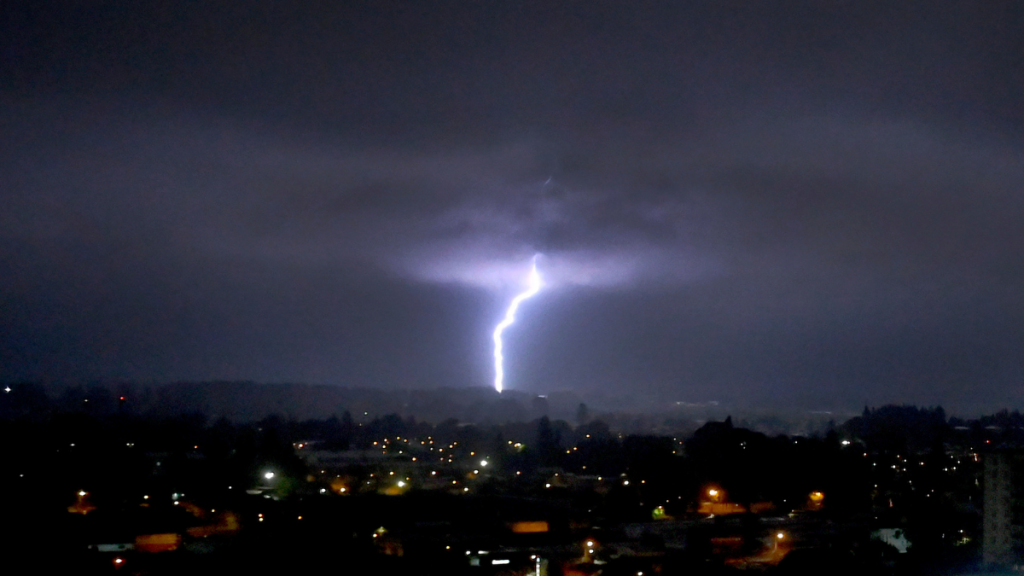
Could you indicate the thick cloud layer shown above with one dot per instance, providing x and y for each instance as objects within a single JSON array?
[{"x": 743, "y": 201}]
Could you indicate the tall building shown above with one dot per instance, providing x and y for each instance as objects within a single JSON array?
[{"x": 1002, "y": 541}]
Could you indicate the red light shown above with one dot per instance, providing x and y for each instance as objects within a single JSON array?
[{"x": 122, "y": 397}]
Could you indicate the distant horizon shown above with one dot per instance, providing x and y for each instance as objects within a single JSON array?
[{"x": 568, "y": 399}]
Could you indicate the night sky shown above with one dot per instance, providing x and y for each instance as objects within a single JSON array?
[{"x": 772, "y": 203}]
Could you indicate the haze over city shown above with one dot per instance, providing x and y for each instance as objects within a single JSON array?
[{"x": 818, "y": 206}]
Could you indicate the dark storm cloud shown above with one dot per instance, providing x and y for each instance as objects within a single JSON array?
[{"x": 735, "y": 198}]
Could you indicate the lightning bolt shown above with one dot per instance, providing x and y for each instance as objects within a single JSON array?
[{"x": 534, "y": 284}]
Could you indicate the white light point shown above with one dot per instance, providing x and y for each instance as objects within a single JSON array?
[{"x": 535, "y": 284}]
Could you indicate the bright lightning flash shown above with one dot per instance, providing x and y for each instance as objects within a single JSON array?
[{"x": 535, "y": 284}]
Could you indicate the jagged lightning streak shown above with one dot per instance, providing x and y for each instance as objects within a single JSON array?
[{"x": 510, "y": 316}]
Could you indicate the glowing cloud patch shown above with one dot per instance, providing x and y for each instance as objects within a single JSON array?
[{"x": 534, "y": 285}]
